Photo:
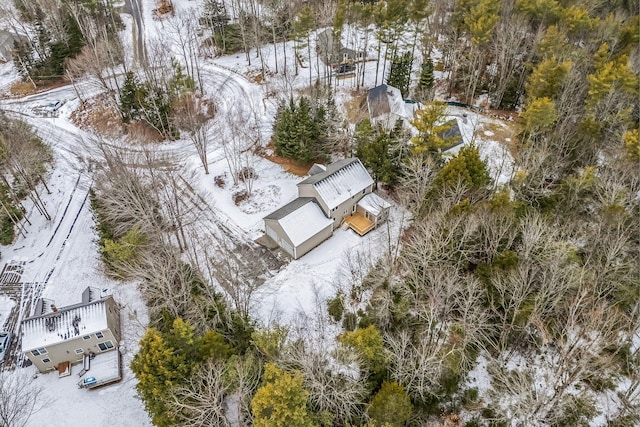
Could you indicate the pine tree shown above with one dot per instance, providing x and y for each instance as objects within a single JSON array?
[
  {"x": 546, "y": 78},
  {"x": 215, "y": 15},
  {"x": 281, "y": 401},
  {"x": 542, "y": 12},
  {"x": 368, "y": 343},
  {"x": 400, "y": 73},
  {"x": 158, "y": 367},
  {"x": 465, "y": 168},
  {"x": 611, "y": 76},
  {"x": 374, "y": 147},
  {"x": 391, "y": 406},
  {"x": 299, "y": 130},
  {"x": 166, "y": 360},
  {"x": 130, "y": 97},
  {"x": 125, "y": 250},
  {"x": 431, "y": 125},
  {"x": 539, "y": 116},
  {"x": 425, "y": 84},
  {"x": 632, "y": 145},
  {"x": 554, "y": 43}
]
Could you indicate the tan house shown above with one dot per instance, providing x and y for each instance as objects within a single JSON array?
[
  {"x": 298, "y": 226},
  {"x": 56, "y": 337},
  {"x": 338, "y": 194}
]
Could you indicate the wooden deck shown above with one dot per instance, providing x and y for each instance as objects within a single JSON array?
[{"x": 359, "y": 224}]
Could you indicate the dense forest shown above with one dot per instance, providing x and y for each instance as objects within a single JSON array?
[{"x": 507, "y": 304}]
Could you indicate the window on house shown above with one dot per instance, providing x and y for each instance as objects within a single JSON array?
[
  {"x": 86, "y": 337},
  {"x": 104, "y": 346},
  {"x": 39, "y": 351},
  {"x": 46, "y": 360},
  {"x": 364, "y": 191},
  {"x": 99, "y": 335},
  {"x": 79, "y": 351}
]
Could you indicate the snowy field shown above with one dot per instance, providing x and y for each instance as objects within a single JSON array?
[{"x": 61, "y": 257}]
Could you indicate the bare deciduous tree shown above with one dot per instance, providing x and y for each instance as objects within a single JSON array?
[
  {"x": 195, "y": 114},
  {"x": 201, "y": 401},
  {"x": 20, "y": 399}
]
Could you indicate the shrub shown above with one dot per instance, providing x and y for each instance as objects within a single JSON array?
[
  {"x": 281, "y": 401},
  {"x": 335, "y": 307},
  {"x": 391, "y": 405}
]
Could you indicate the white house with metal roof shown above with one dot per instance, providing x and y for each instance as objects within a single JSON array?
[
  {"x": 54, "y": 337},
  {"x": 327, "y": 199}
]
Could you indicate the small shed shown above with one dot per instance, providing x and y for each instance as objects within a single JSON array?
[{"x": 298, "y": 226}]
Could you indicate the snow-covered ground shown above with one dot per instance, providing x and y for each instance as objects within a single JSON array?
[{"x": 61, "y": 257}]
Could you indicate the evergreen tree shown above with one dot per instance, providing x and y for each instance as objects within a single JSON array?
[
  {"x": 130, "y": 97},
  {"x": 166, "y": 360},
  {"x": 391, "y": 406},
  {"x": 180, "y": 82},
  {"x": 52, "y": 53},
  {"x": 367, "y": 342},
  {"x": 539, "y": 116},
  {"x": 375, "y": 148},
  {"x": 431, "y": 123},
  {"x": 215, "y": 15},
  {"x": 400, "y": 73},
  {"x": 156, "y": 108},
  {"x": 542, "y": 12},
  {"x": 546, "y": 78},
  {"x": 158, "y": 367},
  {"x": 425, "y": 84},
  {"x": 298, "y": 130},
  {"x": 611, "y": 77},
  {"x": 466, "y": 168},
  {"x": 281, "y": 401},
  {"x": 632, "y": 145}
]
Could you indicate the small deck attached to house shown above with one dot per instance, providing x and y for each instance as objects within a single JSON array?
[
  {"x": 359, "y": 223},
  {"x": 100, "y": 369}
]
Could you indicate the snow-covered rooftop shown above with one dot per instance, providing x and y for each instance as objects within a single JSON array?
[
  {"x": 373, "y": 203},
  {"x": 340, "y": 181},
  {"x": 304, "y": 222},
  {"x": 64, "y": 324},
  {"x": 385, "y": 99}
]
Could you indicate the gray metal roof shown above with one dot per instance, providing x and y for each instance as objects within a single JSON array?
[
  {"x": 453, "y": 131},
  {"x": 330, "y": 170},
  {"x": 378, "y": 101},
  {"x": 292, "y": 206}
]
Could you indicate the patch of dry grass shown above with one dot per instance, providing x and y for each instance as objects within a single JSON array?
[
  {"x": 291, "y": 166},
  {"x": 503, "y": 133},
  {"x": 21, "y": 88},
  {"x": 356, "y": 107}
]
